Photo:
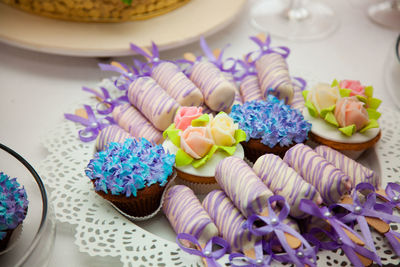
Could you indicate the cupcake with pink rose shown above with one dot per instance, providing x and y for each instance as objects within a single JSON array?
[
  {"x": 343, "y": 115},
  {"x": 200, "y": 141}
]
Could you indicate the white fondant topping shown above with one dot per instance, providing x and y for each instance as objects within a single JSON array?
[
  {"x": 208, "y": 169},
  {"x": 330, "y": 132}
]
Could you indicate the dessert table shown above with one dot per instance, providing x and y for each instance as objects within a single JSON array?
[{"x": 38, "y": 88}]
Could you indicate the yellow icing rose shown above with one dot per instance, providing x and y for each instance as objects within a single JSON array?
[
  {"x": 323, "y": 96},
  {"x": 223, "y": 129}
]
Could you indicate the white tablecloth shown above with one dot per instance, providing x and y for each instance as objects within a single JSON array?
[{"x": 36, "y": 88}]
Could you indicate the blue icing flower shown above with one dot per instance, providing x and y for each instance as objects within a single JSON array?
[
  {"x": 13, "y": 203},
  {"x": 125, "y": 168},
  {"x": 271, "y": 121}
]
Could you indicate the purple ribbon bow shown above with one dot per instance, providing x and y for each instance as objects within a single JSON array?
[
  {"x": 336, "y": 242},
  {"x": 309, "y": 207},
  {"x": 218, "y": 61},
  {"x": 248, "y": 67},
  {"x": 306, "y": 256},
  {"x": 207, "y": 252},
  {"x": 274, "y": 224},
  {"x": 392, "y": 195},
  {"x": 93, "y": 125},
  {"x": 265, "y": 47},
  {"x": 359, "y": 210},
  {"x": 106, "y": 100},
  {"x": 262, "y": 259}
]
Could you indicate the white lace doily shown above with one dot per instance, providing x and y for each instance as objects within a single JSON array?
[{"x": 102, "y": 231}]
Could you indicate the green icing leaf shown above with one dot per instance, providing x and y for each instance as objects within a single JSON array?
[
  {"x": 368, "y": 90},
  {"x": 305, "y": 94},
  {"x": 230, "y": 150},
  {"x": 348, "y": 130},
  {"x": 373, "y": 114},
  {"x": 182, "y": 158},
  {"x": 344, "y": 92},
  {"x": 200, "y": 162},
  {"x": 173, "y": 134},
  {"x": 374, "y": 103},
  {"x": 330, "y": 118},
  {"x": 335, "y": 83},
  {"x": 201, "y": 121},
  {"x": 327, "y": 110},
  {"x": 128, "y": 2},
  {"x": 362, "y": 98},
  {"x": 372, "y": 124},
  {"x": 239, "y": 136},
  {"x": 311, "y": 108}
]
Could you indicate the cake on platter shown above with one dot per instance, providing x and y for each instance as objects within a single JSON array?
[{"x": 97, "y": 10}]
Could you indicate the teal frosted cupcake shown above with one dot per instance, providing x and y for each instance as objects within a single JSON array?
[
  {"x": 270, "y": 126},
  {"x": 13, "y": 207},
  {"x": 132, "y": 175}
]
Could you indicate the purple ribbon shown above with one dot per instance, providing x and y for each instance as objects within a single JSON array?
[
  {"x": 301, "y": 82},
  {"x": 207, "y": 252},
  {"x": 392, "y": 195},
  {"x": 359, "y": 210},
  {"x": 265, "y": 47},
  {"x": 274, "y": 224},
  {"x": 93, "y": 125},
  {"x": 106, "y": 100},
  {"x": 306, "y": 254},
  {"x": 218, "y": 61},
  {"x": 247, "y": 66},
  {"x": 262, "y": 259},
  {"x": 309, "y": 207},
  {"x": 153, "y": 57},
  {"x": 336, "y": 242}
]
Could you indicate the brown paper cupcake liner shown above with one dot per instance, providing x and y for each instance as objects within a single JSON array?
[
  {"x": 145, "y": 206},
  {"x": 253, "y": 149}
]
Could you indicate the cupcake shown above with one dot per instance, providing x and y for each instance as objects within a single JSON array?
[
  {"x": 200, "y": 141},
  {"x": 270, "y": 126},
  {"x": 343, "y": 115},
  {"x": 132, "y": 175},
  {"x": 13, "y": 207}
]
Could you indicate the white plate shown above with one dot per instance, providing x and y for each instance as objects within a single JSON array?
[{"x": 176, "y": 28}]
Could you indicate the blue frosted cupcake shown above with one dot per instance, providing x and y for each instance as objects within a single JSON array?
[
  {"x": 13, "y": 207},
  {"x": 132, "y": 175},
  {"x": 270, "y": 126}
]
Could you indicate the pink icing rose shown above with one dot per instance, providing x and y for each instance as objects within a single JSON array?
[
  {"x": 349, "y": 110},
  {"x": 355, "y": 87},
  {"x": 196, "y": 141},
  {"x": 185, "y": 115}
]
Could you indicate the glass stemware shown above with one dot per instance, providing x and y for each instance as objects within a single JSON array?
[
  {"x": 294, "y": 19},
  {"x": 386, "y": 13}
]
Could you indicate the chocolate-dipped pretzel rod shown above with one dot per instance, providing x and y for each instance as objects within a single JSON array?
[
  {"x": 217, "y": 91},
  {"x": 242, "y": 185},
  {"x": 216, "y": 57},
  {"x": 285, "y": 181},
  {"x": 170, "y": 77},
  {"x": 132, "y": 121},
  {"x": 357, "y": 172},
  {"x": 249, "y": 84},
  {"x": 229, "y": 220},
  {"x": 186, "y": 214},
  {"x": 272, "y": 69},
  {"x": 330, "y": 182},
  {"x": 153, "y": 102},
  {"x": 112, "y": 133}
]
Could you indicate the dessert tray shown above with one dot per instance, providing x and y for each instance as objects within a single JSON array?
[
  {"x": 102, "y": 231},
  {"x": 170, "y": 30}
]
